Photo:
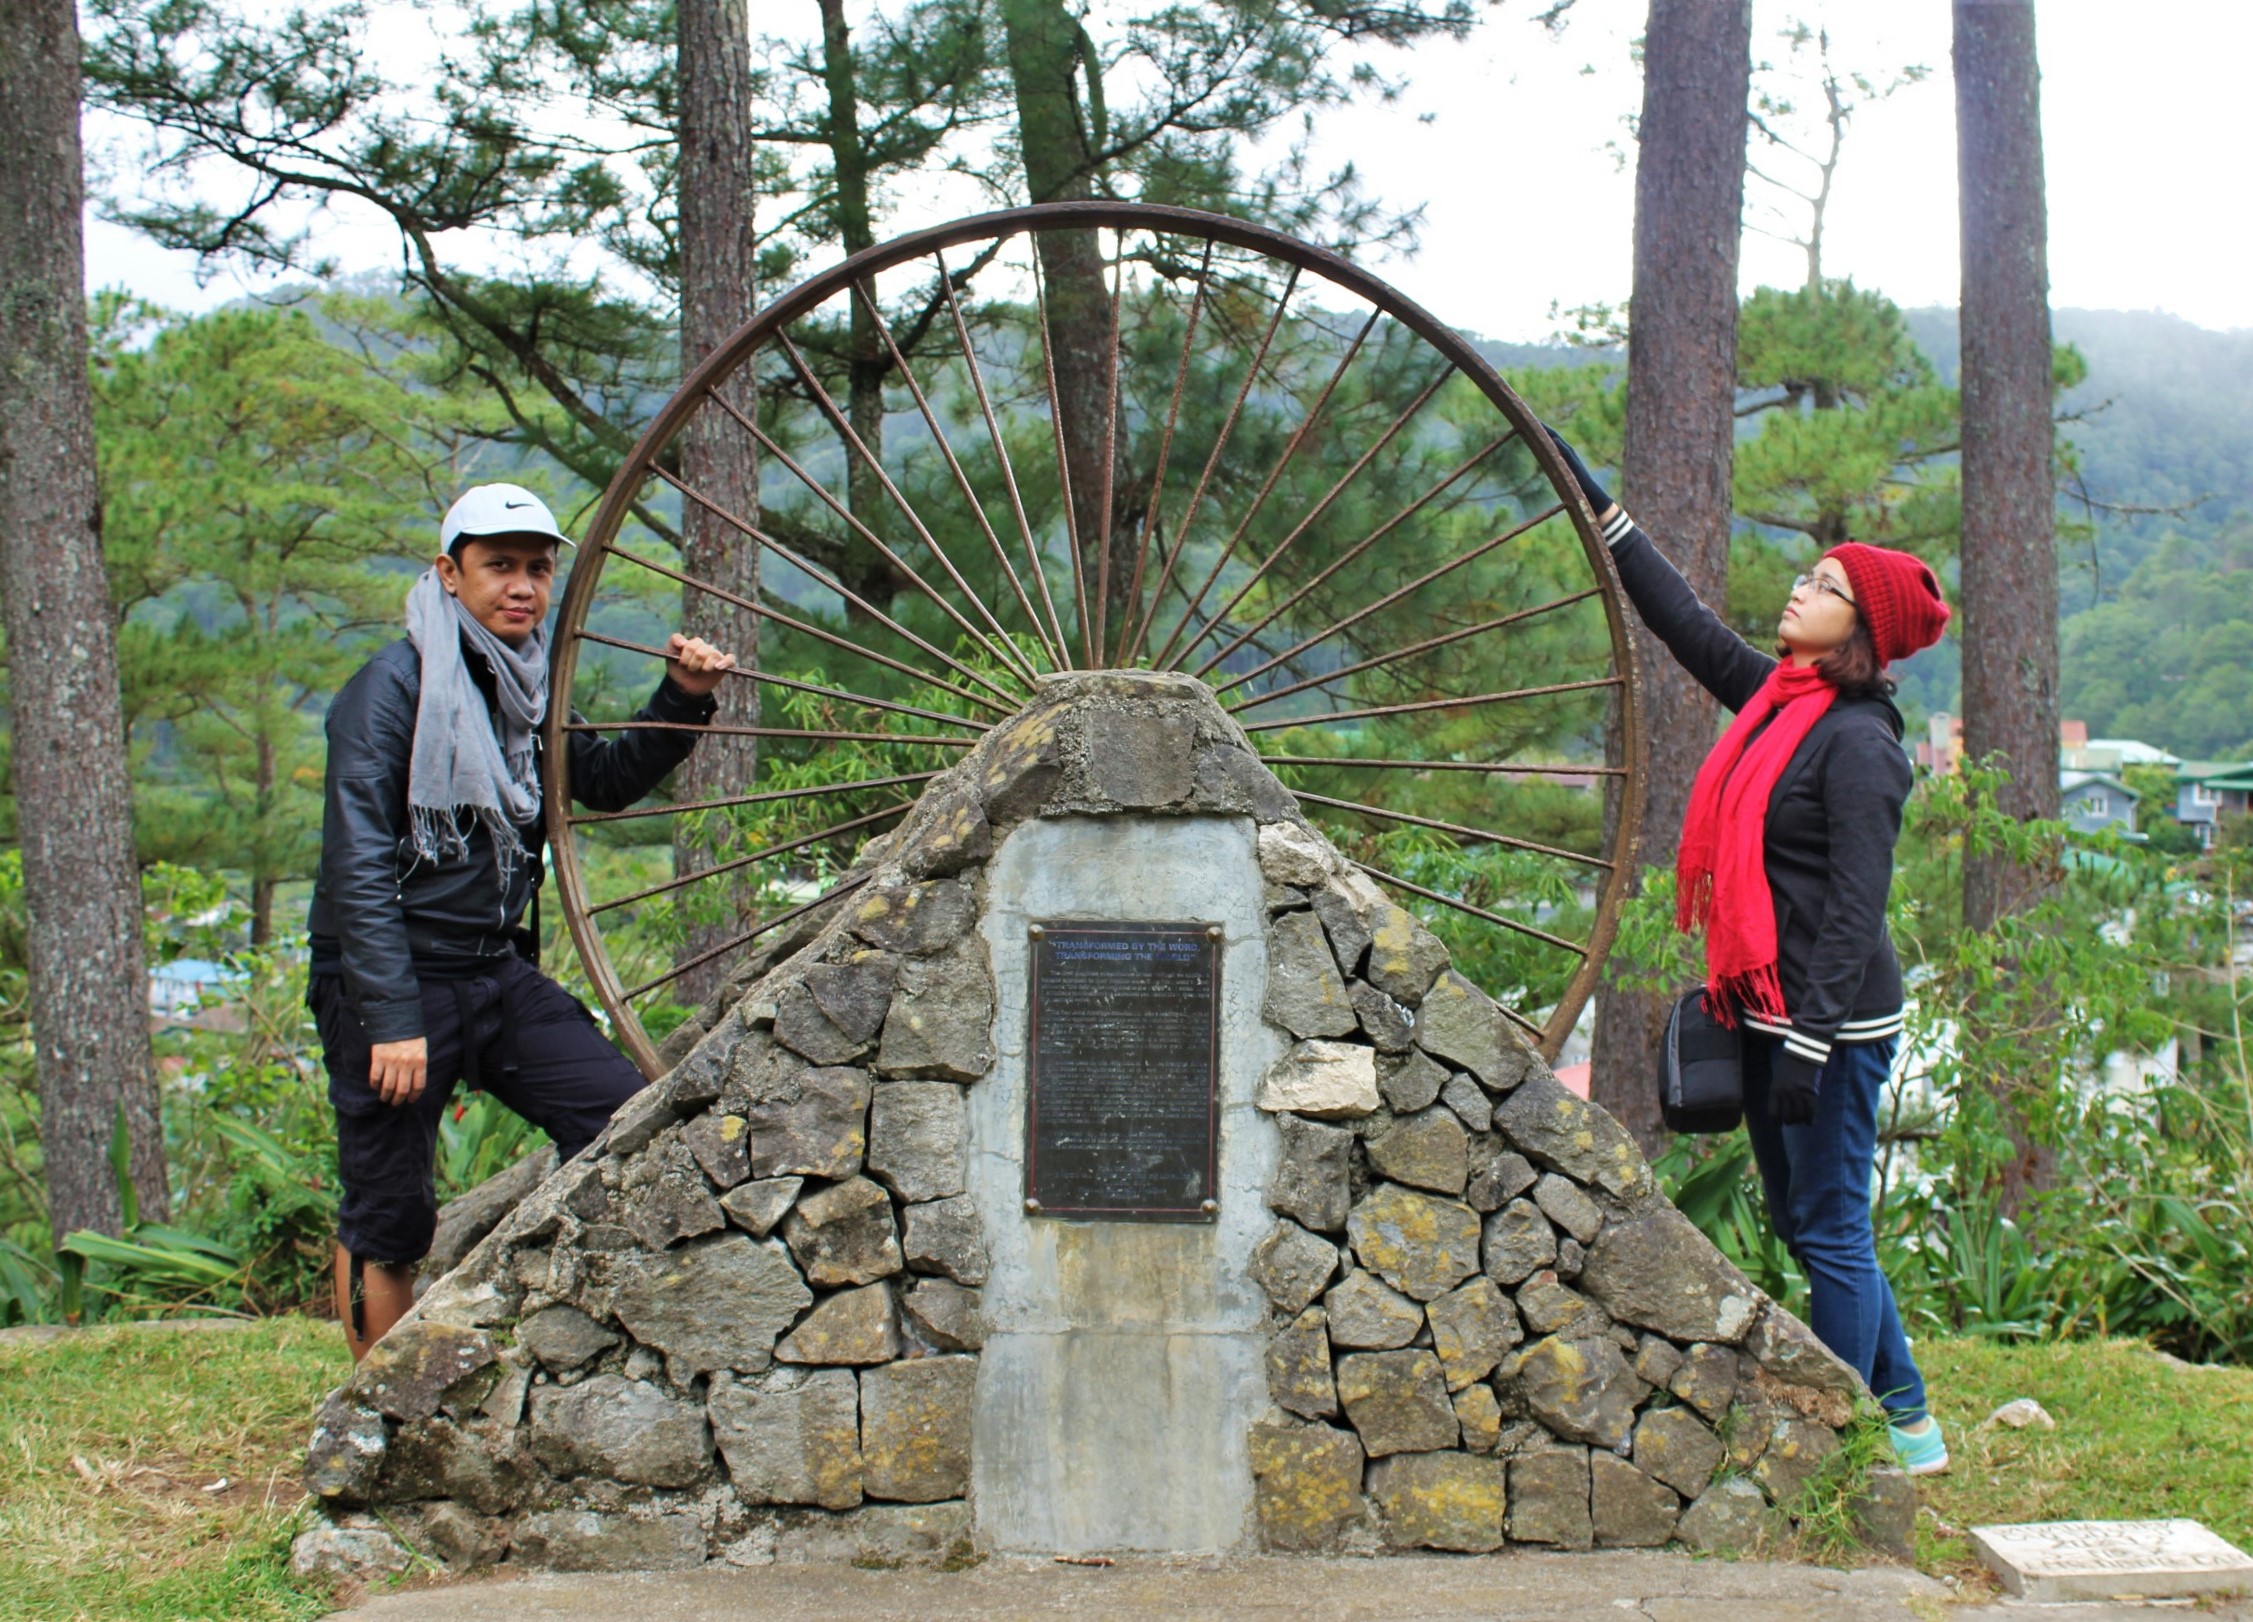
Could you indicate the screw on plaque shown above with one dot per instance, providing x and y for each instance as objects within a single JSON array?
[
  {"x": 1035, "y": 931},
  {"x": 1209, "y": 1207},
  {"x": 1213, "y": 930},
  {"x": 1033, "y": 1206}
]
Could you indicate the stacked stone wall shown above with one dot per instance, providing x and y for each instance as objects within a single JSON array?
[{"x": 1490, "y": 1328}]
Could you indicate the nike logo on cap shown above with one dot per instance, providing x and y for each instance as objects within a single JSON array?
[{"x": 513, "y": 505}]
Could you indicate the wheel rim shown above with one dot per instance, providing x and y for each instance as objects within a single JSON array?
[{"x": 1307, "y": 492}]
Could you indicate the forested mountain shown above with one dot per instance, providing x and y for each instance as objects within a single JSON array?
[
  {"x": 2157, "y": 594},
  {"x": 2165, "y": 421}
]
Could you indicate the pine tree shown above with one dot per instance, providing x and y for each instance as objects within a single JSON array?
[
  {"x": 1681, "y": 375},
  {"x": 89, "y": 994},
  {"x": 261, "y": 485},
  {"x": 2009, "y": 631}
]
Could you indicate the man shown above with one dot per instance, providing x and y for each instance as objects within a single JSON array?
[{"x": 431, "y": 836}]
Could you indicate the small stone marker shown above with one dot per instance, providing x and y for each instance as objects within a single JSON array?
[{"x": 2054, "y": 1562}]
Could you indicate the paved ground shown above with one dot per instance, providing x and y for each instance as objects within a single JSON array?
[{"x": 1504, "y": 1588}]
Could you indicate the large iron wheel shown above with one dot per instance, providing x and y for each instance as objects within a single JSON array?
[{"x": 1117, "y": 435}]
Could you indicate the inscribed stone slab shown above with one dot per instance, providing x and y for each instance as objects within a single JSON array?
[{"x": 2055, "y": 1562}]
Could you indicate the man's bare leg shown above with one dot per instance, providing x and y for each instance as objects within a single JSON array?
[{"x": 384, "y": 1292}]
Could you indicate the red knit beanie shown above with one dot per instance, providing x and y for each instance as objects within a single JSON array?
[{"x": 1897, "y": 596}]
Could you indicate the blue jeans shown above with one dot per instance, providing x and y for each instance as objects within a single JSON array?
[{"x": 1817, "y": 1179}]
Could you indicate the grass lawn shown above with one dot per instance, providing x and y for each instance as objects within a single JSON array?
[
  {"x": 2137, "y": 1438},
  {"x": 149, "y": 1472},
  {"x": 113, "y": 1444}
]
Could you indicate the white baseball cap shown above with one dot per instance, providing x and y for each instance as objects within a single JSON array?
[{"x": 498, "y": 509}]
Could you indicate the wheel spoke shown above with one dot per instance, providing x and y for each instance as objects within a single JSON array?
[
  {"x": 1212, "y": 461},
  {"x": 680, "y": 806},
  {"x": 809, "y": 734},
  {"x": 1314, "y": 513},
  {"x": 1428, "y": 645},
  {"x": 1104, "y": 516},
  {"x": 1460, "y": 905},
  {"x": 824, "y": 577},
  {"x": 767, "y": 678},
  {"x": 1006, "y": 705},
  {"x": 1391, "y": 597},
  {"x": 1421, "y": 706},
  {"x": 1355, "y": 551},
  {"x": 1480, "y": 835},
  {"x": 746, "y": 938},
  {"x": 1002, "y": 651},
  {"x": 1163, "y": 658},
  {"x": 683, "y": 880},
  {"x": 1553, "y": 768},
  {"x": 1053, "y": 634},
  {"x": 1131, "y": 607},
  {"x": 1063, "y": 455},
  {"x": 954, "y": 463}
]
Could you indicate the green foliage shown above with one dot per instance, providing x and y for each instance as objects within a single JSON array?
[
  {"x": 260, "y": 482},
  {"x": 1852, "y": 421}
]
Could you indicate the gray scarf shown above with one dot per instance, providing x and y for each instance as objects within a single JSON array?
[{"x": 470, "y": 765}]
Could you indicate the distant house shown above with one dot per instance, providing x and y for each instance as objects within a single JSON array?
[
  {"x": 1942, "y": 748},
  {"x": 2206, "y": 791},
  {"x": 2111, "y": 754},
  {"x": 190, "y": 991},
  {"x": 2092, "y": 800}
]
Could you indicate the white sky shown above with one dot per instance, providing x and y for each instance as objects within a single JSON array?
[{"x": 1504, "y": 140}]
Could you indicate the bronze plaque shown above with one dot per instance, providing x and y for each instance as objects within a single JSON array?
[{"x": 1122, "y": 1121}]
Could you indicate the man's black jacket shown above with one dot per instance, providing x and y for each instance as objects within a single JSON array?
[
  {"x": 378, "y": 908},
  {"x": 1833, "y": 819}
]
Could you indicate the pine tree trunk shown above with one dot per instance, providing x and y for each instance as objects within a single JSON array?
[
  {"x": 1681, "y": 404},
  {"x": 856, "y": 229},
  {"x": 718, "y": 291},
  {"x": 2009, "y": 580},
  {"x": 263, "y": 882},
  {"x": 1044, "y": 53},
  {"x": 89, "y": 992}
]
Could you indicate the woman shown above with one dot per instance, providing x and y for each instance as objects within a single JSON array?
[{"x": 1785, "y": 860}]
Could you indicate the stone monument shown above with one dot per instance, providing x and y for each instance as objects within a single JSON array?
[{"x": 1109, "y": 1166}]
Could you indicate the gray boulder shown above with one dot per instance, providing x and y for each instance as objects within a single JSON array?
[
  {"x": 1397, "y": 1401},
  {"x": 844, "y": 1234},
  {"x": 918, "y": 1138},
  {"x": 624, "y": 1430},
  {"x": 791, "y": 1436},
  {"x": 1658, "y": 1272},
  {"x": 714, "y": 1304}
]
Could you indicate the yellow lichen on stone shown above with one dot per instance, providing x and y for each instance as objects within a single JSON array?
[
  {"x": 1441, "y": 1501},
  {"x": 1390, "y": 939},
  {"x": 1419, "y": 1244},
  {"x": 1307, "y": 1481},
  {"x": 1014, "y": 746}
]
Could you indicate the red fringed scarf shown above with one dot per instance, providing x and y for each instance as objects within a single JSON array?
[{"x": 1720, "y": 875}]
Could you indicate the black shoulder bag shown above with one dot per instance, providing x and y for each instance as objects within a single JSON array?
[{"x": 1700, "y": 1069}]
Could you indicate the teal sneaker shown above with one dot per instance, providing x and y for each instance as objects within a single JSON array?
[{"x": 1922, "y": 1452}]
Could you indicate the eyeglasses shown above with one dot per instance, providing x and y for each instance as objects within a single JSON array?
[{"x": 1816, "y": 582}]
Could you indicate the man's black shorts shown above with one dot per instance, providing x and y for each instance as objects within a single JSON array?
[{"x": 510, "y": 1031}]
